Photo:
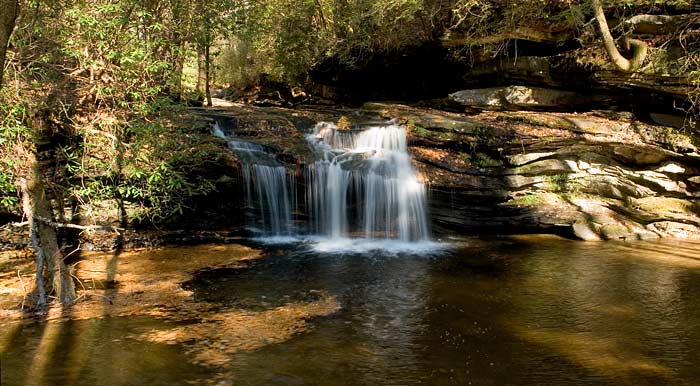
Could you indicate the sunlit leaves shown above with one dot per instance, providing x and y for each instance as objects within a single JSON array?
[
  {"x": 109, "y": 62},
  {"x": 12, "y": 131}
]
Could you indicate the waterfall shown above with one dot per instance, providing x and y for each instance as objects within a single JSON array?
[
  {"x": 273, "y": 198},
  {"x": 362, "y": 192},
  {"x": 267, "y": 186},
  {"x": 363, "y": 184}
]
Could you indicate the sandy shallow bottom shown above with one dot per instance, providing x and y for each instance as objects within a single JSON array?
[{"x": 149, "y": 283}]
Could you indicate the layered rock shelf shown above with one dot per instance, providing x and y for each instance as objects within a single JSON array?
[
  {"x": 598, "y": 175},
  {"x": 595, "y": 175}
]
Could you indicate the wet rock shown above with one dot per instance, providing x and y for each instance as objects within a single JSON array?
[
  {"x": 595, "y": 174},
  {"x": 614, "y": 232}
]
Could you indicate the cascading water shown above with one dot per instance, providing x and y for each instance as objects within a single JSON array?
[
  {"x": 363, "y": 184},
  {"x": 267, "y": 181},
  {"x": 362, "y": 192}
]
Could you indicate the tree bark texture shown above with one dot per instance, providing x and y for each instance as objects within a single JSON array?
[
  {"x": 52, "y": 274},
  {"x": 201, "y": 68},
  {"x": 207, "y": 61},
  {"x": 638, "y": 47},
  {"x": 178, "y": 67},
  {"x": 8, "y": 15}
]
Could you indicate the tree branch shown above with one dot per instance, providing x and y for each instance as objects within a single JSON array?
[
  {"x": 81, "y": 227},
  {"x": 639, "y": 48}
]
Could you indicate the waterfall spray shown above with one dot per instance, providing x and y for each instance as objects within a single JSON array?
[{"x": 363, "y": 184}]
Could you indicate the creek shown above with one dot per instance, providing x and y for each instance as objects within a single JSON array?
[
  {"x": 524, "y": 310},
  {"x": 352, "y": 288}
]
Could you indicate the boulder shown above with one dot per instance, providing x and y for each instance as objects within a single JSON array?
[
  {"x": 520, "y": 97},
  {"x": 585, "y": 231},
  {"x": 676, "y": 121},
  {"x": 675, "y": 229}
]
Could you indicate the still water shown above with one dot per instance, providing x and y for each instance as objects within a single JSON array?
[{"x": 531, "y": 310}]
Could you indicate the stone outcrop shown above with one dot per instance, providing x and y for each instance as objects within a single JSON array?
[
  {"x": 658, "y": 76},
  {"x": 597, "y": 175},
  {"x": 523, "y": 98}
]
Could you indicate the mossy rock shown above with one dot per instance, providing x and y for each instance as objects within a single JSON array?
[
  {"x": 585, "y": 230},
  {"x": 614, "y": 232},
  {"x": 661, "y": 205},
  {"x": 536, "y": 199}
]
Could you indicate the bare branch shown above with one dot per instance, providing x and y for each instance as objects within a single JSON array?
[
  {"x": 639, "y": 48},
  {"x": 81, "y": 227}
]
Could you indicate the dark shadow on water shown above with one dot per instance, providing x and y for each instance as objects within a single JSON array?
[
  {"x": 511, "y": 311},
  {"x": 508, "y": 311},
  {"x": 95, "y": 352}
]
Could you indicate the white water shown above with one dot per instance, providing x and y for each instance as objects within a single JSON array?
[
  {"x": 344, "y": 245},
  {"x": 364, "y": 185},
  {"x": 362, "y": 193},
  {"x": 267, "y": 186}
]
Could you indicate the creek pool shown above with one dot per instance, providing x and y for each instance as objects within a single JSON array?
[{"x": 524, "y": 310}]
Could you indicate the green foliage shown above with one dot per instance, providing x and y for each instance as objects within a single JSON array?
[
  {"x": 690, "y": 64},
  {"x": 527, "y": 200},
  {"x": 8, "y": 191},
  {"x": 559, "y": 183},
  {"x": 285, "y": 38},
  {"x": 12, "y": 133},
  {"x": 483, "y": 160},
  {"x": 161, "y": 170},
  {"x": 91, "y": 80}
]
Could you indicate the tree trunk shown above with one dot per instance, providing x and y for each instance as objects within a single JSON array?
[
  {"x": 52, "y": 273},
  {"x": 638, "y": 47},
  {"x": 8, "y": 16},
  {"x": 207, "y": 60},
  {"x": 178, "y": 66},
  {"x": 201, "y": 68}
]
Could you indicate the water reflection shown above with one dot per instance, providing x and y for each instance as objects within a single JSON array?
[
  {"x": 503, "y": 311},
  {"x": 509, "y": 311},
  {"x": 98, "y": 352}
]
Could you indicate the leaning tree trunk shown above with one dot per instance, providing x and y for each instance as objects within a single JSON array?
[
  {"x": 8, "y": 14},
  {"x": 52, "y": 274},
  {"x": 638, "y": 47}
]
